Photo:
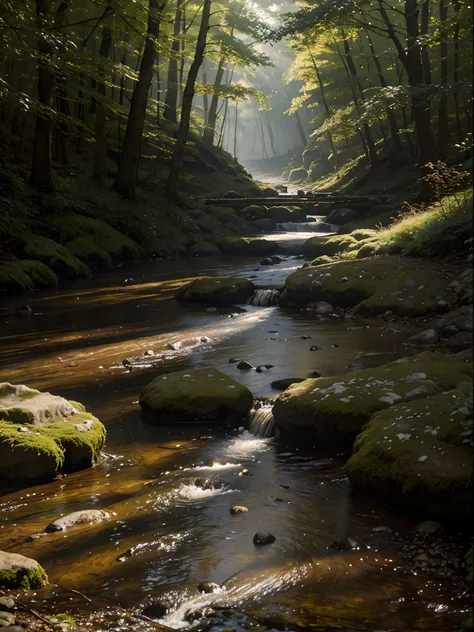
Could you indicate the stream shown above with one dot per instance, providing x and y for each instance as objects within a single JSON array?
[{"x": 166, "y": 534}]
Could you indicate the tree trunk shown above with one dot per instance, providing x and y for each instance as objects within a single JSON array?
[
  {"x": 209, "y": 131},
  {"x": 99, "y": 169},
  {"x": 183, "y": 132},
  {"x": 323, "y": 99},
  {"x": 424, "y": 29},
  {"x": 127, "y": 171},
  {"x": 182, "y": 61},
  {"x": 443, "y": 120},
  {"x": 456, "y": 73},
  {"x": 171, "y": 100},
  {"x": 271, "y": 136},
  {"x": 61, "y": 93},
  {"x": 392, "y": 119},
  {"x": 41, "y": 170},
  {"x": 235, "y": 128},
  {"x": 205, "y": 100}
]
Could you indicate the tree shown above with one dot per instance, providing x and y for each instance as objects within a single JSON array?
[{"x": 171, "y": 101}]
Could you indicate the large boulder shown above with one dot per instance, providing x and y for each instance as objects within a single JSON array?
[
  {"x": 298, "y": 174},
  {"x": 42, "y": 434},
  {"x": 21, "y": 275},
  {"x": 217, "y": 291},
  {"x": 254, "y": 211},
  {"x": 414, "y": 455},
  {"x": 280, "y": 214},
  {"x": 333, "y": 410},
  {"x": 321, "y": 245},
  {"x": 86, "y": 516},
  {"x": 196, "y": 395},
  {"x": 20, "y": 572},
  {"x": 55, "y": 256},
  {"x": 371, "y": 286}
]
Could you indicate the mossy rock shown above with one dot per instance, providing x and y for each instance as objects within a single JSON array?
[
  {"x": 333, "y": 410},
  {"x": 366, "y": 250},
  {"x": 269, "y": 192},
  {"x": 196, "y": 395},
  {"x": 55, "y": 256},
  {"x": 262, "y": 247},
  {"x": 373, "y": 286},
  {"x": 310, "y": 156},
  {"x": 327, "y": 245},
  {"x": 363, "y": 233},
  {"x": 218, "y": 291},
  {"x": 90, "y": 253},
  {"x": 280, "y": 214},
  {"x": 68, "y": 227},
  {"x": 323, "y": 260},
  {"x": 254, "y": 211},
  {"x": 234, "y": 245},
  {"x": 233, "y": 195},
  {"x": 299, "y": 174},
  {"x": 413, "y": 455},
  {"x": 222, "y": 214},
  {"x": 25, "y": 274},
  {"x": 20, "y": 572},
  {"x": 42, "y": 434},
  {"x": 204, "y": 249}
]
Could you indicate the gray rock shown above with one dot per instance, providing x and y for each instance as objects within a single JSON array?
[
  {"x": 260, "y": 539},
  {"x": 282, "y": 385},
  {"x": 267, "y": 262},
  {"x": 6, "y": 618},
  {"x": 20, "y": 404},
  {"x": 88, "y": 516},
  {"x": 264, "y": 367},
  {"x": 459, "y": 342},
  {"x": 449, "y": 330},
  {"x": 429, "y": 526},
  {"x": 323, "y": 309},
  {"x": 442, "y": 305},
  {"x": 277, "y": 259},
  {"x": 6, "y": 604},
  {"x": 23, "y": 570},
  {"x": 314, "y": 374},
  {"x": 244, "y": 366},
  {"x": 424, "y": 338}
]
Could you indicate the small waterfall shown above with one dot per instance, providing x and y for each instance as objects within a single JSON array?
[
  {"x": 262, "y": 421},
  {"x": 306, "y": 227},
  {"x": 264, "y": 298}
]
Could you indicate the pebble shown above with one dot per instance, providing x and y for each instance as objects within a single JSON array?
[
  {"x": 238, "y": 509},
  {"x": 260, "y": 539},
  {"x": 6, "y": 618},
  {"x": 6, "y": 604}
]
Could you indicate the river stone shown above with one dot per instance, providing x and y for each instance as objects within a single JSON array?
[
  {"x": 218, "y": 291},
  {"x": 6, "y": 618},
  {"x": 428, "y": 337},
  {"x": 429, "y": 527},
  {"x": 282, "y": 385},
  {"x": 260, "y": 539},
  {"x": 87, "y": 516},
  {"x": 23, "y": 405},
  {"x": 323, "y": 309},
  {"x": 426, "y": 471},
  {"x": 238, "y": 509},
  {"x": 333, "y": 410},
  {"x": 449, "y": 330},
  {"x": 196, "y": 395},
  {"x": 244, "y": 366},
  {"x": 459, "y": 342},
  {"x": 374, "y": 286},
  {"x": 18, "y": 571},
  {"x": 6, "y": 604},
  {"x": 208, "y": 587}
]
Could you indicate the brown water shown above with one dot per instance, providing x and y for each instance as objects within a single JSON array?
[{"x": 166, "y": 534}]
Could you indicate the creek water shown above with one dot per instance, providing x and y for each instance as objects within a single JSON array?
[{"x": 168, "y": 532}]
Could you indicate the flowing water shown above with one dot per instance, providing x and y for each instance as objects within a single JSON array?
[{"x": 169, "y": 488}]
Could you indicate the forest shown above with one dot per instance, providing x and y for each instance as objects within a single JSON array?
[{"x": 236, "y": 319}]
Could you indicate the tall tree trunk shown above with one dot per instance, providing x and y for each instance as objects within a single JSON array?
[
  {"x": 127, "y": 171},
  {"x": 61, "y": 93},
  {"x": 424, "y": 30},
  {"x": 209, "y": 131},
  {"x": 122, "y": 85},
  {"x": 323, "y": 99},
  {"x": 262, "y": 138},
  {"x": 412, "y": 62},
  {"x": 456, "y": 73},
  {"x": 443, "y": 120},
  {"x": 205, "y": 100},
  {"x": 182, "y": 60},
  {"x": 226, "y": 109},
  {"x": 99, "y": 169},
  {"x": 171, "y": 100},
  {"x": 41, "y": 170},
  {"x": 392, "y": 119},
  {"x": 183, "y": 132},
  {"x": 235, "y": 128},
  {"x": 271, "y": 136}
]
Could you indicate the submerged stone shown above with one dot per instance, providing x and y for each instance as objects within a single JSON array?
[
  {"x": 196, "y": 395},
  {"x": 87, "y": 516},
  {"x": 261, "y": 539}
]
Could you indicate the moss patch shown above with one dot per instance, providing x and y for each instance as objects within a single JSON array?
[
  {"x": 322, "y": 245},
  {"x": 55, "y": 256},
  {"x": 25, "y": 274},
  {"x": 385, "y": 218},
  {"x": 334, "y": 409},
  {"x": 220, "y": 291},
  {"x": 414, "y": 454},
  {"x": 90, "y": 253},
  {"x": 11, "y": 580},
  {"x": 372, "y": 287},
  {"x": 200, "y": 394}
]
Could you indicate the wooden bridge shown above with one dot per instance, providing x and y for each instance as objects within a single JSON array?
[{"x": 323, "y": 199}]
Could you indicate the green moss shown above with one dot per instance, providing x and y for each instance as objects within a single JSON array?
[
  {"x": 321, "y": 245},
  {"x": 78, "y": 406},
  {"x": 55, "y": 256},
  {"x": 37, "y": 442},
  {"x": 66, "y": 435},
  {"x": 204, "y": 249},
  {"x": 372, "y": 287},
  {"x": 90, "y": 253},
  {"x": 254, "y": 212},
  {"x": 319, "y": 261},
  {"x": 412, "y": 453},
  {"x": 65, "y": 617},
  {"x": 234, "y": 245},
  {"x": 13, "y": 278},
  {"x": 336, "y": 408},
  {"x": 381, "y": 219},
  {"x": 24, "y": 581},
  {"x": 39, "y": 273},
  {"x": 363, "y": 233},
  {"x": 216, "y": 291}
]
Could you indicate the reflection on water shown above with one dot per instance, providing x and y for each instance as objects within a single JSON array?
[{"x": 170, "y": 489}]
